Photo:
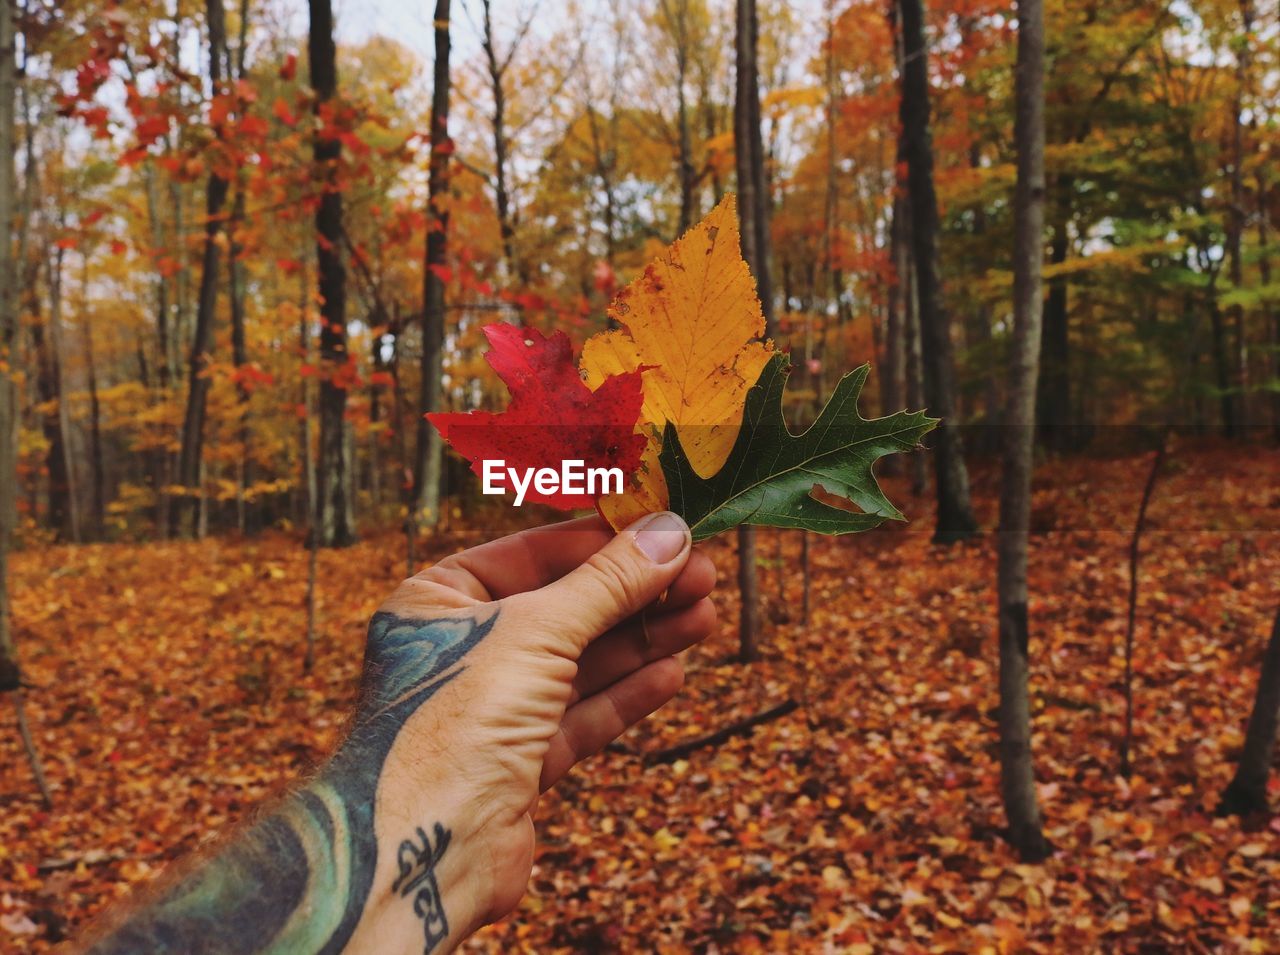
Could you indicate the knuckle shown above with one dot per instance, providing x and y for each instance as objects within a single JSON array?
[{"x": 617, "y": 578}]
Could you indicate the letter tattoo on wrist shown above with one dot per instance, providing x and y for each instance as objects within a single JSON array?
[{"x": 417, "y": 860}]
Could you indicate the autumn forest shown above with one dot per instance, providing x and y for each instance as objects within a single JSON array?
[{"x": 253, "y": 244}]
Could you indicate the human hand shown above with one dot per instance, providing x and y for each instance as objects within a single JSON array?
[{"x": 487, "y": 677}]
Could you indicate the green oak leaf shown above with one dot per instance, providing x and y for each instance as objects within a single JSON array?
[{"x": 771, "y": 473}]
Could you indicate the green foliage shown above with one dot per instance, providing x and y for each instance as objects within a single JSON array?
[{"x": 771, "y": 474}]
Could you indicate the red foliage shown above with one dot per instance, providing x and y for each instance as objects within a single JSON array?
[{"x": 553, "y": 416}]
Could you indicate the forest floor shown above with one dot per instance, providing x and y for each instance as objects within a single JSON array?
[{"x": 170, "y": 699}]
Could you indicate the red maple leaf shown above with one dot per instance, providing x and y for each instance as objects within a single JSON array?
[{"x": 553, "y": 416}]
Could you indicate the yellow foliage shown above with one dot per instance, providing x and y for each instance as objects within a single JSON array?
[{"x": 692, "y": 321}]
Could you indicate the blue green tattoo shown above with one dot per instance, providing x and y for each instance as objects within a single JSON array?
[{"x": 298, "y": 879}]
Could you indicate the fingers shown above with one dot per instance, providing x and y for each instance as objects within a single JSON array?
[
  {"x": 617, "y": 581},
  {"x": 591, "y": 724},
  {"x": 696, "y": 581},
  {"x": 639, "y": 641},
  {"x": 525, "y": 561}
]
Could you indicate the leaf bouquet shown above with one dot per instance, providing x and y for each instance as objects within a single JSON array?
[{"x": 685, "y": 400}]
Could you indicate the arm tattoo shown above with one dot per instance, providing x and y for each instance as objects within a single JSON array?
[{"x": 297, "y": 880}]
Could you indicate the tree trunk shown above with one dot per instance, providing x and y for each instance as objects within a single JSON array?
[
  {"x": 63, "y": 518},
  {"x": 9, "y": 343},
  {"x": 97, "y": 465},
  {"x": 246, "y": 512},
  {"x": 164, "y": 367},
  {"x": 915, "y": 362},
  {"x": 497, "y": 68},
  {"x": 687, "y": 174},
  {"x": 1270, "y": 314},
  {"x": 240, "y": 358},
  {"x": 430, "y": 459},
  {"x": 1016, "y": 774},
  {"x": 895, "y": 356},
  {"x": 1236, "y": 221},
  {"x": 311, "y": 493},
  {"x": 10, "y": 672},
  {"x": 894, "y": 371},
  {"x": 753, "y": 201},
  {"x": 406, "y": 462},
  {"x": 676, "y": 15},
  {"x": 1247, "y": 791},
  {"x": 831, "y": 222},
  {"x": 1222, "y": 364},
  {"x": 336, "y": 524},
  {"x": 165, "y": 371},
  {"x": 202, "y": 343},
  {"x": 955, "y": 514}
]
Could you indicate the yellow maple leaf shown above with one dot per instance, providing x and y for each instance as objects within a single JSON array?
[{"x": 694, "y": 320}]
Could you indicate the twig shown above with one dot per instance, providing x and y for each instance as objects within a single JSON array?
[
  {"x": 29, "y": 744},
  {"x": 1126, "y": 745},
  {"x": 89, "y": 858},
  {"x": 741, "y": 728}
]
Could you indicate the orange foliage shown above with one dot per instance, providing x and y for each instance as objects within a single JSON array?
[{"x": 171, "y": 700}]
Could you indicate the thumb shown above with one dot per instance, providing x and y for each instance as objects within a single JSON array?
[{"x": 617, "y": 581}]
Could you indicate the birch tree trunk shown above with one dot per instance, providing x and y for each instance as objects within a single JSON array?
[{"x": 1017, "y": 779}]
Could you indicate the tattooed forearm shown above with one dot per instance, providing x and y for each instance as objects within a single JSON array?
[
  {"x": 299, "y": 879},
  {"x": 417, "y": 880}
]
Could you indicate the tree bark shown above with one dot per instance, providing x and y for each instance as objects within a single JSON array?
[
  {"x": 914, "y": 360},
  {"x": 198, "y": 382},
  {"x": 895, "y": 356},
  {"x": 306, "y": 451},
  {"x": 9, "y": 344},
  {"x": 240, "y": 359},
  {"x": 1270, "y": 314},
  {"x": 97, "y": 464},
  {"x": 62, "y": 516},
  {"x": 955, "y": 513},
  {"x": 831, "y": 204},
  {"x": 753, "y": 202},
  {"x": 1236, "y": 222},
  {"x": 1222, "y": 364},
  {"x": 336, "y": 524},
  {"x": 10, "y": 671},
  {"x": 753, "y": 189},
  {"x": 165, "y": 368},
  {"x": 430, "y": 459},
  {"x": 1135, "y": 553},
  {"x": 893, "y": 375},
  {"x": 246, "y": 512},
  {"x": 497, "y": 69},
  {"x": 1016, "y": 772},
  {"x": 676, "y": 15},
  {"x": 1247, "y": 791}
]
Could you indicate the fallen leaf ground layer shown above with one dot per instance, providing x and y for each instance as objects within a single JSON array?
[{"x": 170, "y": 699}]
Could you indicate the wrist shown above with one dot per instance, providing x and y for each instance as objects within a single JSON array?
[{"x": 428, "y": 886}]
